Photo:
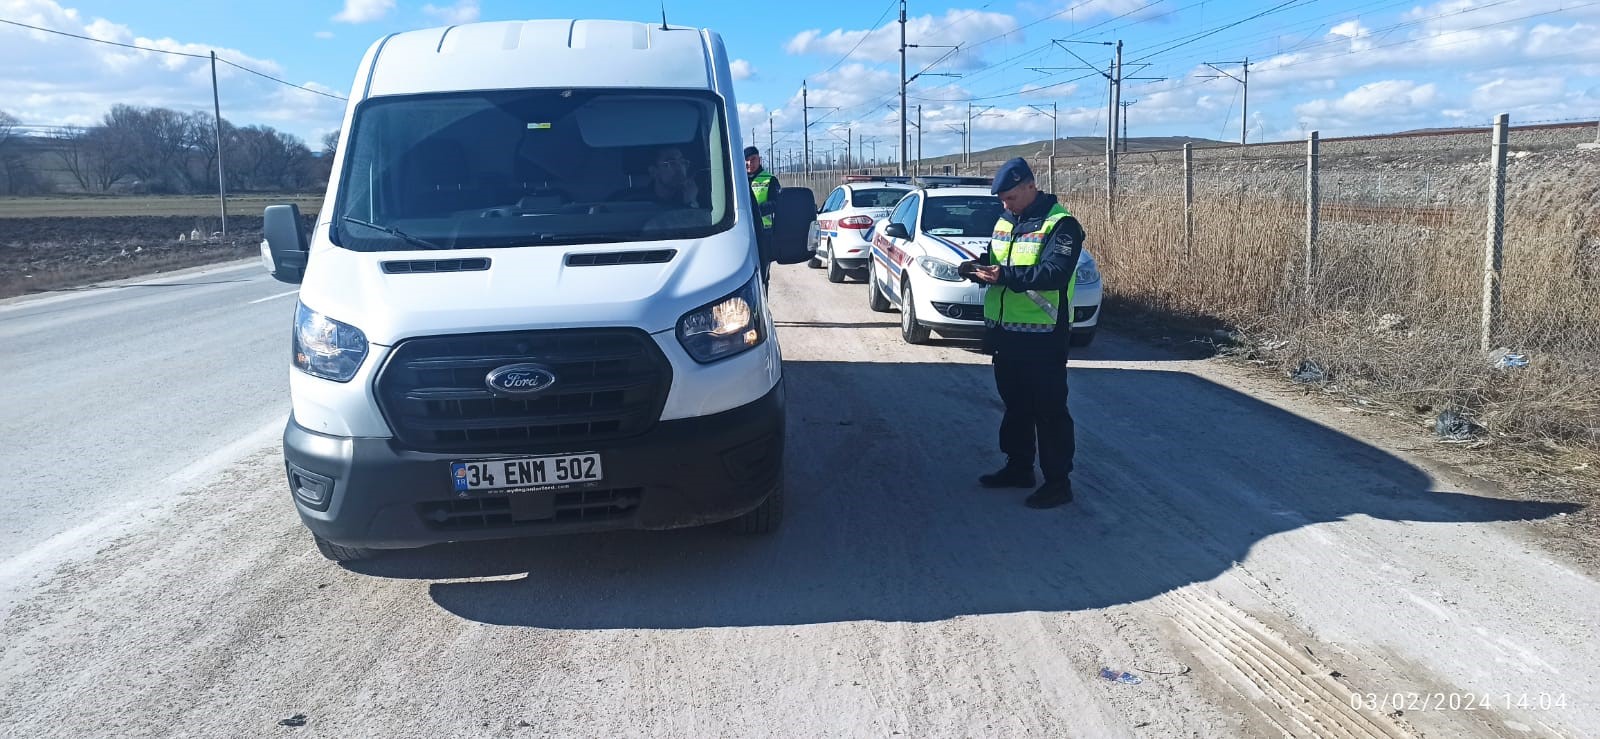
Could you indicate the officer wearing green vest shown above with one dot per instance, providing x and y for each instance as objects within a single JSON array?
[
  {"x": 1031, "y": 270},
  {"x": 766, "y": 186}
]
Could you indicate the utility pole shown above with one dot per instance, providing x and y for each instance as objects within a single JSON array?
[
  {"x": 1243, "y": 79},
  {"x": 1125, "y": 105},
  {"x": 966, "y": 152},
  {"x": 805, "y": 126},
  {"x": 1053, "y": 136},
  {"x": 216, "y": 111},
  {"x": 805, "y": 120},
  {"x": 1113, "y": 77},
  {"x": 1116, "y": 93},
  {"x": 771, "y": 135},
  {"x": 919, "y": 138},
  {"x": 902, "y": 87}
]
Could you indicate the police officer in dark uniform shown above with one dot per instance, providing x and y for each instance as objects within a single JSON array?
[{"x": 1030, "y": 268}]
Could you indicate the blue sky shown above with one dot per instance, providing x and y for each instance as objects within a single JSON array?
[{"x": 1342, "y": 67}]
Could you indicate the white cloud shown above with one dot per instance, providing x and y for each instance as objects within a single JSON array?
[
  {"x": 752, "y": 111},
  {"x": 52, "y": 80},
  {"x": 1373, "y": 108},
  {"x": 1507, "y": 94},
  {"x": 954, "y": 27},
  {"x": 741, "y": 69},
  {"x": 1048, "y": 91},
  {"x": 324, "y": 35},
  {"x": 364, "y": 11},
  {"x": 463, "y": 11}
]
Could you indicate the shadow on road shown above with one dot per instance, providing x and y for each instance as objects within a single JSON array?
[{"x": 1177, "y": 478}]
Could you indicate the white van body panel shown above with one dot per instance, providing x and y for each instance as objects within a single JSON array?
[{"x": 531, "y": 287}]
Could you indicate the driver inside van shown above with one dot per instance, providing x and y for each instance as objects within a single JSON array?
[{"x": 671, "y": 184}]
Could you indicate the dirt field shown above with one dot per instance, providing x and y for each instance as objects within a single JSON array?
[
  {"x": 81, "y": 206},
  {"x": 40, "y": 254}
]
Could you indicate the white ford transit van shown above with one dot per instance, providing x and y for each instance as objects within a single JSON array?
[{"x": 534, "y": 301}]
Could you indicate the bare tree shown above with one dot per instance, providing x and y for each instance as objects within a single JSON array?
[
  {"x": 153, "y": 143},
  {"x": 73, "y": 151}
]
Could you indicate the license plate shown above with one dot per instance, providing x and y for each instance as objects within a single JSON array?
[{"x": 526, "y": 473}]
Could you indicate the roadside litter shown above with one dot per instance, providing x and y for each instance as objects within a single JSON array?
[
  {"x": 1456, "y": 426},
  {"x": 1507, "y": 359},
  {"x": 1309, "y": 373},
  {"x": 1126, "y": 678}
]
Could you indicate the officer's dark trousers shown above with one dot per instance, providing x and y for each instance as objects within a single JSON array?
[{"x": 1035, "y": 396}]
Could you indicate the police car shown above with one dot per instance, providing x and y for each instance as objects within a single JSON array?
[
  {"x": 915, "y": 251},
  {"x": 841, "y": 240}
]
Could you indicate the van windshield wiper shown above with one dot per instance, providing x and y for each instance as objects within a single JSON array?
[{"x": 397, "y": 233}]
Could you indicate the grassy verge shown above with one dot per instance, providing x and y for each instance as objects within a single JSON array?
[{"x": 1390, "y": 318}]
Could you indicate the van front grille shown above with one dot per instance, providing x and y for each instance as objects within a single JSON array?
[
  {"x": 610, "y": 383},
  {"x": 528, "y": 509}
]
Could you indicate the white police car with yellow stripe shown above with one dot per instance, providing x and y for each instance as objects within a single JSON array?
[{"x": 915, "y": 252}]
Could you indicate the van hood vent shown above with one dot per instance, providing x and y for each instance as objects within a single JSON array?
[
  {"x": 476, "y": 264},
  {"x": 602, "y": 259}
]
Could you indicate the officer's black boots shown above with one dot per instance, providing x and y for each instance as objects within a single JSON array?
[
  {"x": 1051, "y": 494},
  {"x": 1008, "y": 477}
]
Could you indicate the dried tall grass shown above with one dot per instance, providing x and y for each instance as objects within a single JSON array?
[{"x": 1393, "y": 311}]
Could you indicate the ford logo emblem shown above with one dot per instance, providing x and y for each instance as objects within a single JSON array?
[{"x": 520, "y": 379}]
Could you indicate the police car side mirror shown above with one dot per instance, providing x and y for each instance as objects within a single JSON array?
[
  {"x": 897, "y": 231},
  {"x": 791, "y": 225}
]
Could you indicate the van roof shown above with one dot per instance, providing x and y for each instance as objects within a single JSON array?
[{"x": 541, "y": 53}]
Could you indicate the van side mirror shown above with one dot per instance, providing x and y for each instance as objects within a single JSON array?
[
  {"x": 284, "y": 248},
  {"x": 897, "y": 231},
  {"x": 792, "y": 217}
]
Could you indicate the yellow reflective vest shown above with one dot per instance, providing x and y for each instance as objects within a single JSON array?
[{"x": 1030, "y": 311}]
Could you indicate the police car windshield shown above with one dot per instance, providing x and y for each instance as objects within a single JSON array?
[
  {"x": 965, "y": 216},
  {"x": 877, "y": 198},
  {"x": 534, "y": 167}
]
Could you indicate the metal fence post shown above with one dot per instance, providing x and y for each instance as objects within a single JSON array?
[
  {"x": 1313, "y": 207},
  {"x": 1188, "y": 198},
  {"x": 1494, "y": 244}
]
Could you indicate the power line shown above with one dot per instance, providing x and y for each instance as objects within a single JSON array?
[
  {"x": 171, "y": 53},
  {"x": 875, "y": 26},
  {"x": 282, "y": 82},
  {"x": 104, "y": 41}
]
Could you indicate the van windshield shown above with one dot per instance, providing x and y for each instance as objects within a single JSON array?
[{"x": 533, "y": 167}]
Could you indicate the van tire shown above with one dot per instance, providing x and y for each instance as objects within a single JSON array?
[
  {"x": 765, "y": 519},
  {"x": 341, "y": 554},
  {"x": 875, "y": 298}
]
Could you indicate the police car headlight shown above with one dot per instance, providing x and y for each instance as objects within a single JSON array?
[
  {"x": 326, "y": 348},
  {"x": 727, "y": 327},
  {"x": 939, "y": 269},
  {"x": 1088, "y": 273}
]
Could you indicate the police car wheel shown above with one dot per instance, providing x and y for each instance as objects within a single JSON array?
[
  {"x": 875, "y": 299},
  {"x": 910, "y": 330},
  {"x": 836, "y": 273},
  {"x": 337, "y": 553}
]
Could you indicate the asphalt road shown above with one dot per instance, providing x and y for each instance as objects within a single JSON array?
[{"x": 1253, "y": 565}]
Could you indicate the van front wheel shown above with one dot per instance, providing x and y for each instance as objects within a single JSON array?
[
  {"x": 338, "y": 553},
  {"x": 765, "y": 519}
]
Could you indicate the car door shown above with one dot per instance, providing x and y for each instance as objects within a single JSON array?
[
  {"x": 821, "y": 226},
  {"x": 899, "y": 250},
  {"x": 882, "y": 251}
]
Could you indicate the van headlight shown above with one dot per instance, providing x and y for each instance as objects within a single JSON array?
[
  {"x": 939, "y": 269},
  {"x": 327, "y": 348},
  {"x": 1088, "y": 273},
  {"x": 727, "y": 327}
]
